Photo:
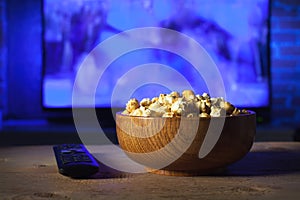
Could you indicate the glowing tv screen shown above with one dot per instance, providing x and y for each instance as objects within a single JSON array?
[{"x": 234, "y": 34}]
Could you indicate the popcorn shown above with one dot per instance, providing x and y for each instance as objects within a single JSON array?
[
  {"x": 204, "y": 115},
  {"x": 154, "y": 106},
  {"x": 168, "y": 114},
  {"x": 147, "y": 113},
  {"x": 219, "y": 102},
  {"x": 205, "y": 96},
  {"x": 136, "y": 112},
  {"x": 158, "y": 109},
  {"x": 216, "y": 111},
  {"x": 188, "y": 104},
  {"x": 236, "y": 111},
  {"x": 204, "y": 108},
  {"x": 177, "y": 107},
  {"x": 154, "y": 99},
  {"x": 161, "y": 98},
  {"x": 125, "y": 112},
  {"x": 145, "y": 102},
  {"x": 188, "y": 95},
  {"x": 229, "y": 108},
  {"x": 189, "y": 107},
  {"x": 175, "y": 95},
  {"x": 132, "y": 105}
]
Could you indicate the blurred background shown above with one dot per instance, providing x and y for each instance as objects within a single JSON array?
[{"x": 24, "y": 121}]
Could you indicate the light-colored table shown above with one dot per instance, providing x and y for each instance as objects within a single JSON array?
[{"x": 270, "y": 171}]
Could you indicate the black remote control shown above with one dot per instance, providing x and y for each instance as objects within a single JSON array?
[{"x": 75, "y": 161}]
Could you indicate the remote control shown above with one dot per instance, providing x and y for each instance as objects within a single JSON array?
[{"x": 75, "y": 161}]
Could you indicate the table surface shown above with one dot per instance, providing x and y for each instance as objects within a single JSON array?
[{"x": 271, "y": 170}]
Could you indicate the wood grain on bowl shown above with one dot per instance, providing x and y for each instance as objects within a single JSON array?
[{"x": 142, "y": 137}]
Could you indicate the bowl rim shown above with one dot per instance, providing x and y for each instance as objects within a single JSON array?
[{"x": 251, "y": 112}]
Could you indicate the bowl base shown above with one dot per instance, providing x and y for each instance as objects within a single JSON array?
[{"x": 217, "y": 171}]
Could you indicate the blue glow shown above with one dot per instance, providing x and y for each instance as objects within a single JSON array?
[{"x": 235, "y": 39}]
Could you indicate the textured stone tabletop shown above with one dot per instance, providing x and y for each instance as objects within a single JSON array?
[{"x": 270, "y": 171}]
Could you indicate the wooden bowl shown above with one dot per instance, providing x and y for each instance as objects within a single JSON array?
[{"x": 171, "y": 146}]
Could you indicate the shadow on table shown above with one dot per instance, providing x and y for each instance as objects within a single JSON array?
[
  {"x": 266, "y": 163},
  {"x": 255, "y": 163},
  {"x": 106, "y": 172}
]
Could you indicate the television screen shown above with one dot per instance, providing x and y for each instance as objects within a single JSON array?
[{"x": 233, "y": 33}]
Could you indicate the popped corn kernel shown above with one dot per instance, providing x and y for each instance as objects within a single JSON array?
[
  {"x": 216, "y": 111},
  {"x": 169, "y": 99},
  {"x": 236, "y": 111},
  {"x": 147, "y": 113},
  {"x": 198, "y": 105},
  {"x": 161, "y": 98},
  {"x": 157, "y": 109},
  {"x": 125, "y": 112},
  {"x": 229, "y": 108},
  {"x": 176, "y": 105},
  {"x": 132, "y": 105},
  {"x": 145, "y": 102},
  {"x": 207, "y": 102},
  {"x": 206, "y": 95},
  {"x": 188, "y": 95},
  {"x": 218, "y": 102},
  {"x": 154, "y": 99},
  {"x": 199, "y": 97},
  {"x": 137, "y": 112},
  {"x": 244, "y": 111},
  {"x": 175, "y": 94},
  {"x": 168, "y": 114},
  {"x": 154, "y": 105},
  {"x": 189, "y": 107},
  {"x": 204, "y": 115},
  {"x": 204, "y": 108}
]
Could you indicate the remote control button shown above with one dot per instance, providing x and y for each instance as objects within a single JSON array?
[
  {"x": 66, "y": 151},
  {"x": 86, "y": 159},
  {"x": 77, "y": 150},
  {"x": 82, "y": 158},
  {"x": 67, "y": 159}
]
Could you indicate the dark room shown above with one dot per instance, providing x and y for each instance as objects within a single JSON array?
[{"x": 149, "y": 99}]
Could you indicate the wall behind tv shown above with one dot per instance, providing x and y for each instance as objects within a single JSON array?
[
  {"x": 3, "y": 56},
  {"x": 285, "y": 62},
  {"x": 24, "y": 58},
  {"x": 21, "y": 61}
]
